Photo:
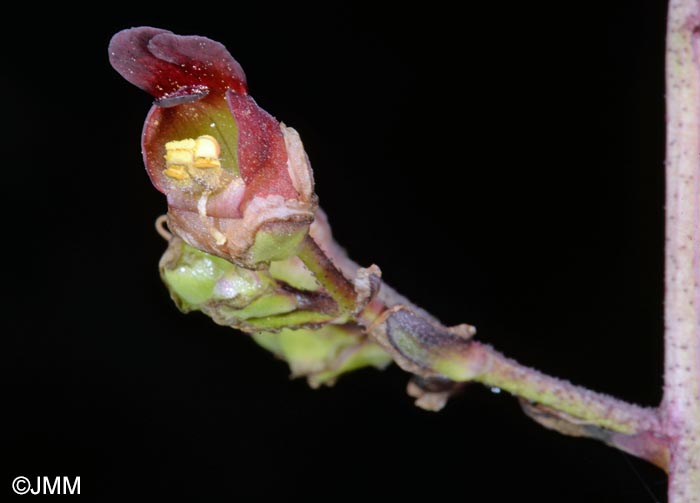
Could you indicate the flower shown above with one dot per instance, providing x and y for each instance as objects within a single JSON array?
[
  {"x": 240, "y": 201},
  {"x": 238, "y": 182}
]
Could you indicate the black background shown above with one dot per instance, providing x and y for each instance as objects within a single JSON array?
[{"x": 504, "y": 167}]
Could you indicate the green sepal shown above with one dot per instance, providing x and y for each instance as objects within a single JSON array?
[
  {"x": 293, "y": 272},
  {"x": 277, "y": 242}
]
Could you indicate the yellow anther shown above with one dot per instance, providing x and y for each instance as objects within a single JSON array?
[
  {"x": 202, "y": 163},
  {"x": 185, "y": 158},
  {"x": 201, "y": 153},
  {"x": 187, "y": 144},
  {"x": 177, "y": 157},
  {"x": 177, "y": 172},
  {"x": 206, "y": 152},
  {"x": 207, "y": 146}
]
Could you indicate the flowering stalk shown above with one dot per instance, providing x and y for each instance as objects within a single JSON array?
[
  {"x": 249, "y": 247},
  {"x": 681, "y": 402}
]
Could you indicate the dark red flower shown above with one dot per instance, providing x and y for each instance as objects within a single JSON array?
[{"x": 238, "y": 182}]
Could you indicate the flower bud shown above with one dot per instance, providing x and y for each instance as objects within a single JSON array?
[{"x": 282, "y": 307}]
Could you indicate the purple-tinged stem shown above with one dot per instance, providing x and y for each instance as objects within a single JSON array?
[
  {"x": 328, "y": 275},
  {"x": 681, "y": 403},
  {"x": 577, "y": 402}
]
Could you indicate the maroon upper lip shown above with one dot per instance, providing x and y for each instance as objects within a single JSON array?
[{"x": 174, "y": 66}]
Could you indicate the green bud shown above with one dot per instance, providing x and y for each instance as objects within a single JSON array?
[
  {"x": 324, "y": 354},
  {"x": 284, "y": 309},
  {"x": 195, "y": 278}
]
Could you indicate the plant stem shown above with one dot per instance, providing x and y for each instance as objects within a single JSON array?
[
  {"x": 328, "y": 275},
  {"x": 681, "y": 403},
  {"x": 629, "y": 427},
  {"x": 582, "y": 404}
]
